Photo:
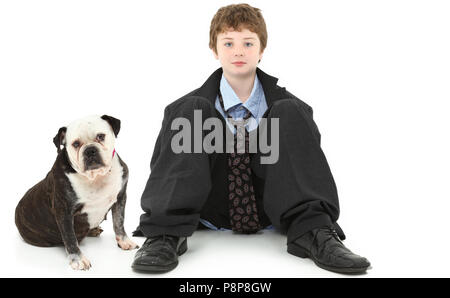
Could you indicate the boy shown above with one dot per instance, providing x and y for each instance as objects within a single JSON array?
[{"x": 237, "y": 190}]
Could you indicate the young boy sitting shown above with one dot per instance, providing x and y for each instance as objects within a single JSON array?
[{"x": 235, "y": 189}]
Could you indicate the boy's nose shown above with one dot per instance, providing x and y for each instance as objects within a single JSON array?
[{"x": 239, "y": 50}]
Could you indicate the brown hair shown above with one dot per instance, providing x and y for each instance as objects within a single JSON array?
[{"x": 237, "y": 17}]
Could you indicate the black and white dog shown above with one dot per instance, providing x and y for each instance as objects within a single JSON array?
[{"x": 87, "y": 179}]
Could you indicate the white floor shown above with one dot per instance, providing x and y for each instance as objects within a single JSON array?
[
  {"x": 210, "y": 254},
  {"x": 217, "y": 254}
]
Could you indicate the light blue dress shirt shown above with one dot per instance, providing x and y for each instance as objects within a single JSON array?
[{"x": 257, "y": 106}]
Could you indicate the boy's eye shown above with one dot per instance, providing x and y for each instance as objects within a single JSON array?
[
  {"x": 228, "y": 44},
  {"x": 248, "y": 44}
]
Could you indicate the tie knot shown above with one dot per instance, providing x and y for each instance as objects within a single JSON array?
[
  {"x": 246, "y": 115},
  {"x": 238, "y": 122}
]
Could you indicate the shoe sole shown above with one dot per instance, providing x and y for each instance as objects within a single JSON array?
[
  {"x": 161, "y": 269},
  {"x": 300, "y": 252}
]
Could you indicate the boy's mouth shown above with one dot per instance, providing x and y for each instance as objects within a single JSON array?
[{"x": 239, "y": 63}]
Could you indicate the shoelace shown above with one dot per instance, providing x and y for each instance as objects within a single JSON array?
[{"x": 330, "y": 232}]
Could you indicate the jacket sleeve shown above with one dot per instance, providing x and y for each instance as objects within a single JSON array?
[
  {"x": 309, "y": 112},
  {"x": 158, "y": 145},
  {"x": 313, "y": 124}
]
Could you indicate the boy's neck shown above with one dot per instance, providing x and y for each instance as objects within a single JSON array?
[{"x": 242, "y": 85}]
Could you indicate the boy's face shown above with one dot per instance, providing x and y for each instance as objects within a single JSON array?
[{"x": 238, "y": 52}]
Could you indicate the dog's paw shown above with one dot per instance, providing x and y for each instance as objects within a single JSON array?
[
  {"x": 95, "y": 232},
  {"x": 79, "y": 262},
  {"x": 125, "y": 243}
]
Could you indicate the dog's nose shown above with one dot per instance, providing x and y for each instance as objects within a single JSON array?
[{"x": 90, "y": 151}]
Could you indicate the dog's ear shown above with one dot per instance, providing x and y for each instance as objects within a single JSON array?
[
  {"x": 58, "y": 140},
  {"x": 114, "y": 122}
]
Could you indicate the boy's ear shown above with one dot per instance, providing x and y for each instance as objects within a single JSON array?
[
  {"x": 260, "y": 56},
  {"x": 215, "y": 54}
]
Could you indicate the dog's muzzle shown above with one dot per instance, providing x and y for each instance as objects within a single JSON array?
[{"x": 92, "y": 158}]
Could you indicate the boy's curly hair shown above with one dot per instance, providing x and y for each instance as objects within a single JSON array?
[{"x": 237, "y": 17}]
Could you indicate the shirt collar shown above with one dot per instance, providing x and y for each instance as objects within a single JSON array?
[{"x": 230, "y": 99}]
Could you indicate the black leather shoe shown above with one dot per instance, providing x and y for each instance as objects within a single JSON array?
[
  {"x": 159, "y": 254},
  {"x": 324, "y": 247}
]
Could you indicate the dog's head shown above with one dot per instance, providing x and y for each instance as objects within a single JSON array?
[{"x": 89, "y": 143}]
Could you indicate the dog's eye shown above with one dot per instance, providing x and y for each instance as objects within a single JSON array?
[
  {"x": 101, "y": 137},
  {"x": 76, "y": 144}
]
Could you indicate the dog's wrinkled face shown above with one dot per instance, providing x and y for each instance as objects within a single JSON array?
[{"x": 90, "y": 144}]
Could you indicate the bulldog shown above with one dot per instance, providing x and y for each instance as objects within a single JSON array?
[{"x": 87, "y": 179}]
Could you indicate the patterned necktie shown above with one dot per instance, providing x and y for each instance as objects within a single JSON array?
[{"x": 241, "y": 194}]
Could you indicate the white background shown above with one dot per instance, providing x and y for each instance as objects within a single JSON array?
[{"x": 376, "y": 73}]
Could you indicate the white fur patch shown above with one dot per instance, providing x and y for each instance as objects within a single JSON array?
[
  {"x": 85, "y": 131},
  {"x": 79, "y": 262},
  {"x": 99, "y": 194}
]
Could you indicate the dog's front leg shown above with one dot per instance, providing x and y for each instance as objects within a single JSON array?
[
  {"x": 118, "y": 214},
  {"x": 64, "y": 219}
]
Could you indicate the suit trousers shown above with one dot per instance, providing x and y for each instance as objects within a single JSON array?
[{"x": 295, "y": 194}]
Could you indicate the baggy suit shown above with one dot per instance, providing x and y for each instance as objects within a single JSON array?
[{"x": 295, "y": 194}]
